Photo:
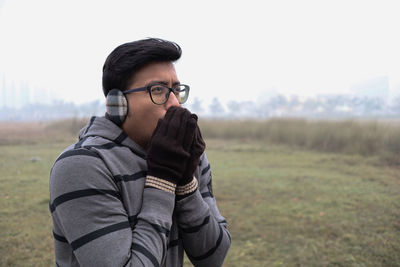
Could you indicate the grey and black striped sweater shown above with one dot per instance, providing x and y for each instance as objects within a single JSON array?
[{"x": 103, "y": 216}]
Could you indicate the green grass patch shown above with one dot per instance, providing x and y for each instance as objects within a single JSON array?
[
  {"x": 301, "y": 208},
  {"x": 284, "y": 206},
  {"x": 25, "y": 222}
]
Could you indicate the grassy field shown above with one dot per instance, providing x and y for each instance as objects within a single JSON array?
[{"x": 285, "y": 206}]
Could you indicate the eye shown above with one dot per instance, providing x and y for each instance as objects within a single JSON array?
[{"x": 158, "y": 89}]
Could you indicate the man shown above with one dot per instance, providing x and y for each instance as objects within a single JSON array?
[{"x": 135, "y": 190}]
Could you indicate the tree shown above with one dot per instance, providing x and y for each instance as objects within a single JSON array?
[
  {"x": 277, "y": 102},
  {"x": 395, "y": 106},
  {"x": 196, "y": 106},
  {"x": 235, "y": 108},
  {"x": 216, "y": 108}
]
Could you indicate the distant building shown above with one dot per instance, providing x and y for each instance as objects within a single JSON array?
[
  {"x": 19, "y": 94},
  {"x": 24, "y": 94}
]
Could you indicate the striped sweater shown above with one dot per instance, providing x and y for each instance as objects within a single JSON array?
[{"x": 104, "y": 216}]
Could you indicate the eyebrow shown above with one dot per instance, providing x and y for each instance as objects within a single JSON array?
[{"x": 163, "y": 83}]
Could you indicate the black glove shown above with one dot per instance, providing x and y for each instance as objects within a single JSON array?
[
  {"x": 196, "y": 151},
  {"x": 188, "y": 185},
  {"x": 169, "y": 147}
]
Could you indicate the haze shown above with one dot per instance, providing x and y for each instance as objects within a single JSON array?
[{"x": 233, "y": 50}]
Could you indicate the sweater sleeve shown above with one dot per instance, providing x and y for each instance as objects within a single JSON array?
[
  {"x": 91, "y": 226},
  {"x": 204, "y": 233}
]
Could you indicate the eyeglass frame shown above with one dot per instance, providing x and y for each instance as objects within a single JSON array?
[{"x": 147, "y": 88}]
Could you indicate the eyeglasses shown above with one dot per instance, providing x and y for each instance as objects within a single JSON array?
[{"x": 159, "y": 93}]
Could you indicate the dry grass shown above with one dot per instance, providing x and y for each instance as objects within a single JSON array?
[
  {"x": 365, "y": 138},
  {"x": 12, "y": 133},
  {"x": 354, "y": 137}
]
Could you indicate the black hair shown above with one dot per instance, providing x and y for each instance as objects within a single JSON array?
[{"x": 128, "y": 58}]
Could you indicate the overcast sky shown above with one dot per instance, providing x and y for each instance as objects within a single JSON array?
[{"x": 242, "y": 50}]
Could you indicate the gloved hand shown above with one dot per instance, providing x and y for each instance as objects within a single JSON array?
[
  {"x": 196, "y": 151},
  {"x": 169, "y": 147}
]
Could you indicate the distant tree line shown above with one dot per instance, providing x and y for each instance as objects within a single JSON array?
[
  {"x": 55, "y": 111},
  {"x": 339, "y": 106}
]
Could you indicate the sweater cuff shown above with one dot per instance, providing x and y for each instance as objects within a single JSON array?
[
  {"x": 187, "y": 189},
  {"x": 161, "y": 184}
]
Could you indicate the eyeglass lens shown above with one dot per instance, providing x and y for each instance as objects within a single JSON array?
[{"x": 160, "y": 93}]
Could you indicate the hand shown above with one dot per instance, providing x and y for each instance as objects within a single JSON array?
[
  {"x": 196, "y": 151},
  {"x": 169, "y": 147}
]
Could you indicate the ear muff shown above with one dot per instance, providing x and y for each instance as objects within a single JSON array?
[{"x": 116, "y": 106}]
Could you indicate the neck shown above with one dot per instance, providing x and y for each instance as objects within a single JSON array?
[{"x": 141, "y": 141}]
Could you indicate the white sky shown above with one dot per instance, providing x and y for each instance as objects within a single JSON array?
[{"x": 241, "y": 50}]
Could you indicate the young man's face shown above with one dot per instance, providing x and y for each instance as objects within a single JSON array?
[{"x": 143, "y": 114}]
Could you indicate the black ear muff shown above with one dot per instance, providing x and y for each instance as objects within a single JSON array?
[{"x": 116, "y": 106}]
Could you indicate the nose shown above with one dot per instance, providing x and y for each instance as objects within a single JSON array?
[{"x": 172, "y": 101}]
